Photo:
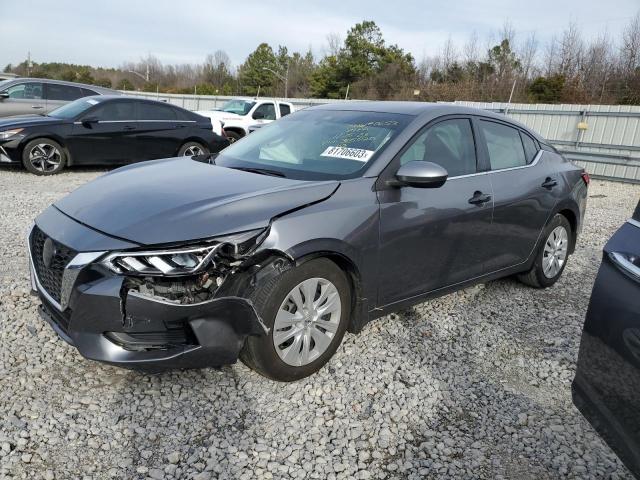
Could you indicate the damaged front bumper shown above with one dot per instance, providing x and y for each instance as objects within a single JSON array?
[{"x": 93, "y": 308}]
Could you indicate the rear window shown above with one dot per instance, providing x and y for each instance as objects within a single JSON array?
[
  {"x": 530, "y": 147},
  {"x": 65, "y": 93},
  {"x": 155, "y": 111},
  {"x": 504, "y": 145},
  {"x": 284, "y": 110}
]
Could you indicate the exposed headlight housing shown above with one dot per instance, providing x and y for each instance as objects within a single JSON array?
[
  {"x": 7, "y": 134},
  {"x": 183, "y": 260}
]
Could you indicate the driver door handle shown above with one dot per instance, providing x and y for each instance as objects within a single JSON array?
[
  {"x": 549, "y": 183},
  {"x": 37, "y": 107},
  {"x": 479, "y": 198},
  {"x": 129, "y": 127}
]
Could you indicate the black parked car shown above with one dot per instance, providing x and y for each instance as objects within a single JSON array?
[
  {"x": 312, "y": 225},
  {"x": 606, "y": 388},
  {"x": 105, "y": 130}
]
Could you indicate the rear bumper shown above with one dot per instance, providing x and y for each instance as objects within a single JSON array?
[{"x": 105, "y": 322}]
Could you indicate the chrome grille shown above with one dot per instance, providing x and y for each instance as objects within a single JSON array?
[{"x": 50, "y": 277}]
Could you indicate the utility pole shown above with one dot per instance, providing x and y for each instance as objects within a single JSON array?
[
  {"x": 285, "y": 79},
  {"x": 29, "y": 64}
]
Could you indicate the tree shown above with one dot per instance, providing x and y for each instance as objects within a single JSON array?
[
  {"x": 252, "y": 73},
  {"x": 125, "y": 84},
  {"x": 103, "y": 82},
  {"x": 547, "y": 90}
]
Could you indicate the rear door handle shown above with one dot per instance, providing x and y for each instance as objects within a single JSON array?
[
  {"x": 479, "y": 198},
  {"x": 180, "y": 126},
  {"x": 37, "y": 107},
  {"x": 129, "y": 127},
  {"x": 549, "y": 183}
]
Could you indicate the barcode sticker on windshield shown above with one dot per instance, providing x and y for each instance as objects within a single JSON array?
[{"x": 358, "y": 154}]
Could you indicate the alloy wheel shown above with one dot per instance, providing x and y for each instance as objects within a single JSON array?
[
  {"x": 45, "y": 157},
  {"x": 193, "y": 150},
  {"x": 307, "y": 321},
  {"x": 555, "y": 252}
]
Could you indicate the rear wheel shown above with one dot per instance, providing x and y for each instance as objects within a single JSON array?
[
  {"x": 306, "y": 310},
  {"x": 43, "y": 156},
  {"x": 552, "y": 255},
  {"x": 232, "y": 136},
  {"x": 191, "y": 149}
]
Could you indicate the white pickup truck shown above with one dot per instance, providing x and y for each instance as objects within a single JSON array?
[{"x": 238, "y": 115}]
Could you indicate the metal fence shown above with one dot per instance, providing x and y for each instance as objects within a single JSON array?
[{"x": 608, "y": 145}]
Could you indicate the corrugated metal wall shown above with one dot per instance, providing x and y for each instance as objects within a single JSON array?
[{"x": 608, "y": 148}]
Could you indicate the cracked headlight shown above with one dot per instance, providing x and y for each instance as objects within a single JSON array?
[{"x": 184, "y": 260}]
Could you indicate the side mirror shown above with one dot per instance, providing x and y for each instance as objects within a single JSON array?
[
  {"x": 420, "y": 174},
  {"x": 88, "y": 121},
  {"x": 258, "y": 115}
]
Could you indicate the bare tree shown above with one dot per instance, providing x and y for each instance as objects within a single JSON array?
[
  {"x": 334, "y": 44},
  {"x": 570, "y": 51},
  {"x": 631, "y": 45},
  {"x": 527, "y": 55}
]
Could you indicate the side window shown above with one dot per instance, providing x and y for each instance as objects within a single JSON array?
[
  {"x": 154, "y": 111},
  {"x": 115, "y": 111},
  {"x": 530, "y": 147},
  {"x": 504, "y": 145},
  {"x": 62, "y": 92},
  {"x": 88, "y": 93},
  {"x": 449, "y": 144},
  {"x": 284, "y": 110},
  {"x": 268, "y": 111},
  {"x": 30, "y": 91}
]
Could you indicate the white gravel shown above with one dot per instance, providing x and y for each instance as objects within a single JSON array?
[{"x": 472, "y": 385}]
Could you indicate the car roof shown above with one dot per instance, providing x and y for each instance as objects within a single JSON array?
[
  {"x": 95, "y": 88},
  {"x": 419, "y": 109}
]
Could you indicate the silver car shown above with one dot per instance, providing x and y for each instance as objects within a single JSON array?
[{"x": 24, "y": 96}]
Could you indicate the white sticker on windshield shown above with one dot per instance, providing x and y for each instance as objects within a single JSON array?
[
  {"x": 92, "y": 101},
  {"x": 358, "y": 154}
]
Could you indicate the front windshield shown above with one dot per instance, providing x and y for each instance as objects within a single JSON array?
[
  {"x": 73, "y": 109},
  {"x": 316, "y": 144},
  {"x": 239, "y": 107}
]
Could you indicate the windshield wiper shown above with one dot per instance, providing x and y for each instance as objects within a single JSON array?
[{"x": 261, "y": 171}]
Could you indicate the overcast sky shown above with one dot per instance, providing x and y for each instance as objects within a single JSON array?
[{"x": 108, "y": 33}]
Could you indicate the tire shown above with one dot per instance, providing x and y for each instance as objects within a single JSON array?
[
  {"x": 233, "y": 136},
  {"x": 281, "y": 362},
  {"x": 43, "y": 156},
  {"x": 541, "y": 274},
  {"x": 191, "y": 149}
]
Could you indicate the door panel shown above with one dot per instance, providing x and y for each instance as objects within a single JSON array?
[
  {"x": 24, "y": 99},
  {"x": 58, "y": 95},
  {"x": 109, "y": 141},
  {"x": 159, "y": 134},
  {"x": 521, "y": 203},
  {"x": 435, "y": 237},
  {"x": 521, "y": 209},
  {"x": 432, "y": 238}
]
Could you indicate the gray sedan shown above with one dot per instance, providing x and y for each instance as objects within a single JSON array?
[
  {"x": 309, "y": 227},
  {"x": 28, "y": 96}
]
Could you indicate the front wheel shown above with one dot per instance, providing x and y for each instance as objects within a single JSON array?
[
  {"x": 552, "y": 255},
  {"x": 307, "y": 311},
  {"x": 192, "y": 149},
  {"x": 43, "y": 156}
]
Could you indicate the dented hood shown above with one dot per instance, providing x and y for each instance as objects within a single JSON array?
[{"x": 179, "y": 200}]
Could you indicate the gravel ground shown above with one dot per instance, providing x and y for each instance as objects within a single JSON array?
[{"x": 472, "y": 385}]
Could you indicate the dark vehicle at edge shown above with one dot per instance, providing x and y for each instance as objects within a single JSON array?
[
  {"x": 105, "y": 130},
  {"x": 311, "y": 226},
  {"x": 607, "y": 382}
]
